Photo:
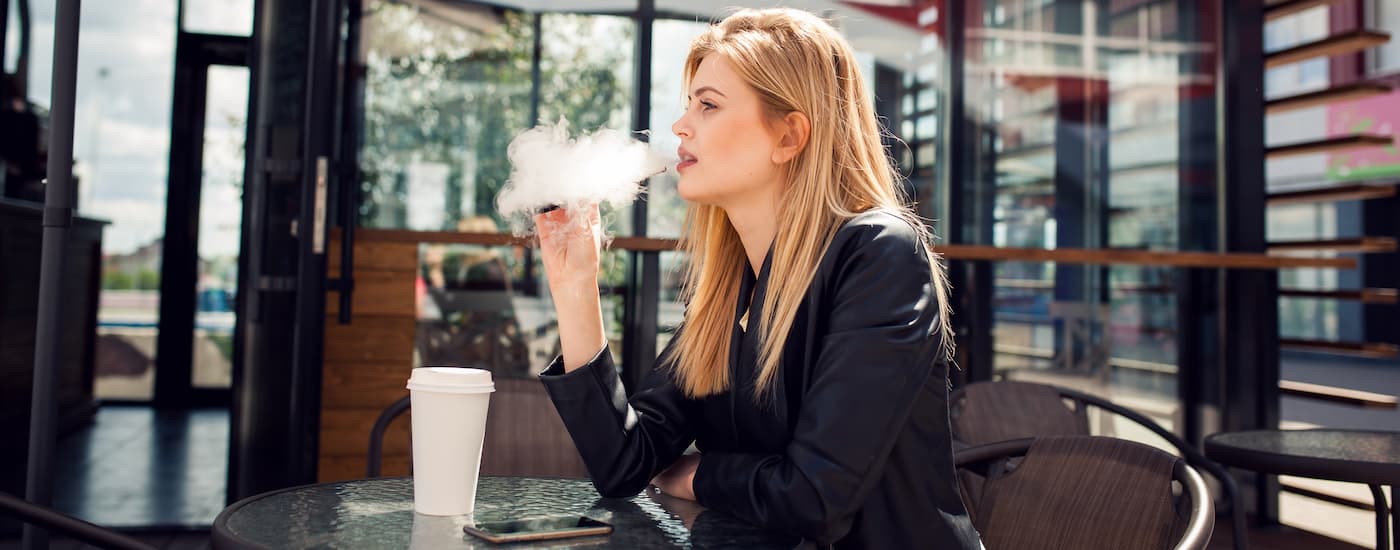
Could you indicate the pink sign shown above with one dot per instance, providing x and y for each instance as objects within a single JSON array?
[{"x": 1377, "y": 115}]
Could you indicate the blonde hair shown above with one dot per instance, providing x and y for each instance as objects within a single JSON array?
[{"x": 796, "y": 62}]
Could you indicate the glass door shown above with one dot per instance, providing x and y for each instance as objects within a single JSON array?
[{"x": 195, "y": 354}]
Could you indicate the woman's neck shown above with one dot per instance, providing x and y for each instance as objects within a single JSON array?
[{"x": 756, "y": 221}]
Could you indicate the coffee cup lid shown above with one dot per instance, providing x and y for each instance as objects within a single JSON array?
[{"x": 451, "y": 380}]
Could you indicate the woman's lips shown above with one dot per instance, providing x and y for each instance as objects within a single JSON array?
[{"x": 686, "y": 159}]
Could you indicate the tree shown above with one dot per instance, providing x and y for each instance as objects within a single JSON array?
[{"x": 455, "y": 96}]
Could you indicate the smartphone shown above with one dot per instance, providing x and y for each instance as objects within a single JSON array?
[{"x": 552, "y": 527}]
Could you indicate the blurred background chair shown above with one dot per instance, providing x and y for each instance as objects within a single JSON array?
[
  {"x": 60, "y": 523},
  {"x": 376, "y": 435},
  {"x": 990, "y": 412},
  {"x": 1087, "y": 493}
]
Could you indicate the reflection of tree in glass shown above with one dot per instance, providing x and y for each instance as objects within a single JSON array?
[{"x": 451, "y": 89}]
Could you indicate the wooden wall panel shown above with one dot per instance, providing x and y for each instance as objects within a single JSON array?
[
  {"x": 374, "y": 255},
  {"x": 358, "y": 386},
  {"x": 386, "y": 340},
  {"x": 378, "y": 293}
]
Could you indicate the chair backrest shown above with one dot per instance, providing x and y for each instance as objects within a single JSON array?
[
  {"x": 1088, "y": 493},
  {"x": 988, "y": 412}
]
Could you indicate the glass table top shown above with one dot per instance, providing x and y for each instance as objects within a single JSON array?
[{"x": 378, "y": 513}]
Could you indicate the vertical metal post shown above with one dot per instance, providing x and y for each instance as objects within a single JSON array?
[
  {"x": 971, "y": 281},
  {"x": 1199, "y": 366},
  {"x": 317, "y": 136},
  {"x": 1249, "y": 328},
  {"x": 4, "y": 34},
  {"x": 643, "y": 268},
  {"x": 351, "y": 132},
  {"x": 58, "y": 218},
  {"x": 26, "y": 33}
]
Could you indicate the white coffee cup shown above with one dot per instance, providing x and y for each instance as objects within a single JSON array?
[{"x": 449, "y": 422}]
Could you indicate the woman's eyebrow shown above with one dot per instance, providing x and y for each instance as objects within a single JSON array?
[{"x": 702, "y": 89}]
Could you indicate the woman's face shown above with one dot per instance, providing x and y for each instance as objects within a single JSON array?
[{"x": 726, "y": 148}]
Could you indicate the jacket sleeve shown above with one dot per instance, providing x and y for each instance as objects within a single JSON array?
[
  {"x": 623, "y": 444},
  {"x": 868, "y": 373}
]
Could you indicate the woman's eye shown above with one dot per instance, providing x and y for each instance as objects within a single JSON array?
[{"x": 707, "y": 105}]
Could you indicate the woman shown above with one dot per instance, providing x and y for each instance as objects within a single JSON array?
[{"x": 810, "y": 370}]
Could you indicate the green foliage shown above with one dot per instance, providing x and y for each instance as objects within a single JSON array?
[
  {"x": 117, "y": 280},
  {"x": 148, "y": 279},
  {"x": 455, "y": 96}
]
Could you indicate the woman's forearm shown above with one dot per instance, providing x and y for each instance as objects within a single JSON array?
[{"x": 581, "y": 333}]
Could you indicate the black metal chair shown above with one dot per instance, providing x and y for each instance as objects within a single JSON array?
[
  {"x": 988, "y": 412},
  {"x": 376, "y": 435},
  {"x": 1087, "y": 493},
  {"x": 59, "y": 522}
]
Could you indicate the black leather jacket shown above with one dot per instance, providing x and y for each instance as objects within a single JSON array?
[{"x": 854, "y": 448}]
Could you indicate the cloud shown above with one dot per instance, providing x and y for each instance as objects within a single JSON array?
[{"x": 135, "y": 223}]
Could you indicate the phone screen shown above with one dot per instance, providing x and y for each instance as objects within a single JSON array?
[{"x": 544, "y": 527}]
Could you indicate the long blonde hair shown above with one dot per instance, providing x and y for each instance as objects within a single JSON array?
[{"x": 797, "y": 63}]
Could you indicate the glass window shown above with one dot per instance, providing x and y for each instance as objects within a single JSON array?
[
  {"x": 447, "y": 87},
  {"x": 230, "y": 17},
  {"x": 12, "y": 39},
  {"x": 586, "y": 77},
  {"x": 489, "y": 307},
  {"x": 1385, "y": 16},
  {"x": 220, "y": 227},
  {"x": 1078, "y": 113},
  {"x": 121, "y": 145},
  {"x": 669, "y": 44}
]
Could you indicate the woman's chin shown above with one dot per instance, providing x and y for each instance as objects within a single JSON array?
[{"x": 688, "y": 193}]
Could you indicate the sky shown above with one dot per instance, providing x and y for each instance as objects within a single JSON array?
[{"x": 126, "y": 58}]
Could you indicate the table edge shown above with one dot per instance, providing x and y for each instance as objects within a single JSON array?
[{"x": 1302, "y": 466}]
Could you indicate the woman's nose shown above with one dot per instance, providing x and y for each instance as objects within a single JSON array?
[{"x": 680, "y": 128}]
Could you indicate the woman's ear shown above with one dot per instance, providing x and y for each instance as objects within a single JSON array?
[{"x": 794, "y": 130}]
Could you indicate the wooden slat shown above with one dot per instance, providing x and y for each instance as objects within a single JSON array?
[
  {"x": 950, "y": 251},
  {"x": 1138, "y": 257},
  {"x": 374, "y": 255},
  {"x": 1328, "y": 96},
  {"x": 345, "y": 432},
  {"x": 1115, "y": 362},
  {"x": 1035, "y": 284},
  {"x": 1365, "y": 295},
  {"x": 1359, "y": 245},
  {"x": 378, "y": 293},
  {"x": 1025, "y": 284},
  {"x": 1353, "y": 349},
  {"x": 1024, "y": 351},
  {"x": 1357, "y": 192},
  {"x": 641, "y": 244},
  {"x": 370, "y": 340},
  {"x": 364, "y": 385},
  {"x": 1329, "y": 145},
  {"x": 345, "y": 468},
  {"x": 1337, "y": 44},
  {"x": 1334, "y": 394},
  {"x": 1290, "y": 7}
]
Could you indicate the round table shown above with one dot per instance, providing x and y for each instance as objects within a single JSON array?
[
  {"x": 1370, "y": 457},
  {"x": 378, "y": 513}
]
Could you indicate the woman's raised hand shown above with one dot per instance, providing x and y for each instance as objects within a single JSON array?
[
  {"x": 569, "y": 243},
  {"x": 569, "y": 246}
]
